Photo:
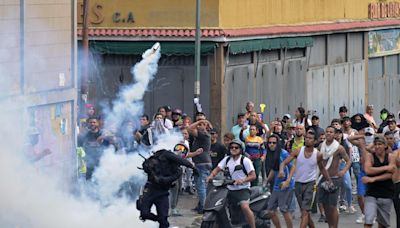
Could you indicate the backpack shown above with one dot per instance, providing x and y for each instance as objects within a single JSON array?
[
  {"x": 150, "y": 165},
  {"x": 241, "y": 163}
]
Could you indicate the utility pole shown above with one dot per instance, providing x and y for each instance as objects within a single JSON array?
[
  {"x": 85, "y": 52},
  {"x": 197, "y": 56}
]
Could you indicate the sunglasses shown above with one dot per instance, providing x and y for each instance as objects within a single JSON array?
[
  {"x": 234, "y": 147},
  {"x": 368, "y": 134},
  {"x": 271, "y": 142}
]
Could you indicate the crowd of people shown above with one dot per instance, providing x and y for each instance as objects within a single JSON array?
[{"x": 320, "y": 168}]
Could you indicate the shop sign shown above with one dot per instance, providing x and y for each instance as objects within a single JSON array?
[
  {"x": 383, "y": 42},
  {"x": 383, "y": 10},
  {"x": 97, "y": 15}
]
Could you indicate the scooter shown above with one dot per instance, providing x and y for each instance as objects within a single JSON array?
[{"x": 219, "y": 213}]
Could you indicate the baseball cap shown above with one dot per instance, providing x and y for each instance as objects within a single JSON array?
[
  {"x": 315, "y": 117},
  {"x": 287, "y": 115},
  {"x": 369, "y": 135},
  {"x": 380, "y": 138},
  {"x": 291, "y": 125},
  {"x": 167, "y": 108},
  {"x": 369, "y": 130}
]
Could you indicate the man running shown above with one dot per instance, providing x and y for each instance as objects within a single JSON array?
[{"x": 308, "y": 158}]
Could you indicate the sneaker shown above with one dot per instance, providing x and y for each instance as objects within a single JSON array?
[
  {"x": 351, "y": 210},
  {"x": 175, "y": 213},
  {"x": 342, "y": 208},
  {"x": 322, "y": 218},
  {"x": 198, "y": 210},
  {"x": 189, "y": 190},
  {"x": 360, "y": 219}
]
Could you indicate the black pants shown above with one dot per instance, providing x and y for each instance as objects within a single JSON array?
[
  {"x": 396, "y": 202},
  {"x": 158, "y": 197}
]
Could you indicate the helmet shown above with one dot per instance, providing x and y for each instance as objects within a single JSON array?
[
  {"x": 182, "y": 148},
  {"x": 238, "y": 142}
]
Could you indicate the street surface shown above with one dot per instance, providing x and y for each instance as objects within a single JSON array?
[{"x": 191, "y": 220}]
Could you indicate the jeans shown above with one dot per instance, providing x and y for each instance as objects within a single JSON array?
[
  {"x": 257, "y": 169},
  {"x": 346, "y": 189},
  {"x": 201, "y": 185},
  {"x": 292, "y": 205},
  {"x": 356, "y": 167}
]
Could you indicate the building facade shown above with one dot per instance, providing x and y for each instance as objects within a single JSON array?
[
  {"x": 317, "y": 54},
  {"x": 37, "y": 62}
]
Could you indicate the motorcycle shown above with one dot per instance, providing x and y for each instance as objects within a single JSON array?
[{"x": 219, "y": 213}]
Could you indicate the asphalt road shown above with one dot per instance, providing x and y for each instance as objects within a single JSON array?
[{"x": 190, "y": 219}]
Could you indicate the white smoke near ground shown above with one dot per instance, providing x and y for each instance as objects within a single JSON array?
[{"x": 30, "y": 198}]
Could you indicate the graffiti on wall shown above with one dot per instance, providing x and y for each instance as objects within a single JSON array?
[{"x": 52, "y": 124}]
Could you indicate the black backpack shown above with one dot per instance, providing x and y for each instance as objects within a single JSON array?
[
  {"x": 241, "y": 163},
  {"x": 151, "y": 164}
]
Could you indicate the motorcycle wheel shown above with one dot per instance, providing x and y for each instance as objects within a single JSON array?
[{"x": 209, "y": 225}]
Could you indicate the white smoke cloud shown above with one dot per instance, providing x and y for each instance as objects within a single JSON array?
[{"x": 30, "y": 198}]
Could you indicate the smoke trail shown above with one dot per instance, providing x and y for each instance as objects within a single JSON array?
[
  {"x": 128, "y": 106},
  {"x": 34, "y": 199}
]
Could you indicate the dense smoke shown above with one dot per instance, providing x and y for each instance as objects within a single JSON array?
[{"x": 32, "y": 198}]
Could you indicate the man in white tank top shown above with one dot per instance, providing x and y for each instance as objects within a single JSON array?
[{"x": 308, "y": 159}]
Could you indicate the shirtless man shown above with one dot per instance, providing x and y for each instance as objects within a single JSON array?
[
  {"x": 308, "y": 158},
  {"x": 332, "y": 153}
]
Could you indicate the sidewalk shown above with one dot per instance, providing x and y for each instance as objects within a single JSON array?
[{"x": 185, "y": 204}]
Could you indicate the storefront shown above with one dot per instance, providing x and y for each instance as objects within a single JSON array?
[{"x": 283, "y": 54}]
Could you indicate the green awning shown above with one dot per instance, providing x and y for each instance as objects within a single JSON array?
[
  {"x": 246, "y": 46},
  {"x": 138, "y": 47}
]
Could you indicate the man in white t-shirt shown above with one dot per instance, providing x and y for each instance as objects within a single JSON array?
[
  {"x": 242, "y": 172},
  {"x": 392, "y": 126}
]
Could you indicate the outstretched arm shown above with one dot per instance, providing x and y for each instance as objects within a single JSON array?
[
  {"x": 285, "y": 162},
  {"x": 176, "y": 159}
]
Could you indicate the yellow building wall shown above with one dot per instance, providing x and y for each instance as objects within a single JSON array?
[
  {"x": 221, "y": 13},
  {"x": 150, "y": 13},
  {"x": 256, "y": 13}
]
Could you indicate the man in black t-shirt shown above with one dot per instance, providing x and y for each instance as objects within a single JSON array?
[
  {"x": 218, "y": 150},
  {"x": 141, "y": 135},
  {"x": 261, "y": 128},
  {"x": 92, "y": 143}
]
